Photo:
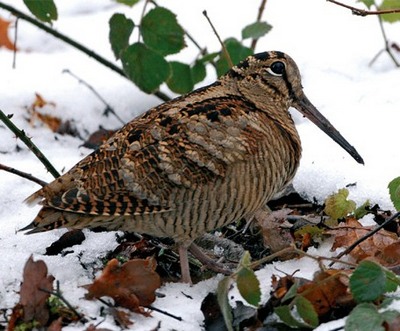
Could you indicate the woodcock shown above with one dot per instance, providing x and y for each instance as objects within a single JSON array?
[{"x": 192, "y": 164}]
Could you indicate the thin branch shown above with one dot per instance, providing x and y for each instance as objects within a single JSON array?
[
  {"x": 387, "y": 46},
  {"x": 28, "y": 142},
  {"x": 23, "y": 174},
  {"x": 365, "y": 237},
  {"x": 363, "y": 12},
  {"x": 109, "y": 109},
  {"x": 259, "y": 16},
  {"x": 15, "y": 43},
  {"x": 225, "y": 51},
  {"x": 73, "y": 43}
]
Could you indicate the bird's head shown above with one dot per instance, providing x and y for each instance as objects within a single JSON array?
[{"x": 273, "y": 81}]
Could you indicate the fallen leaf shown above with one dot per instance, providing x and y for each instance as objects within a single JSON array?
[
  {"x": 4, "y": 39},
  {"x": 121, "y": 317},
  {"x": 97, "y": 138},
  {"x": 350, "y": 231},
  {"x": 131, "y": 285},
  {"x": 325, "y": 291},
  {"x": 337, "y": 206},
  {"x": 32, "y": 295}
]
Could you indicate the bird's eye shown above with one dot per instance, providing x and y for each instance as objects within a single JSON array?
[{"x": 277, "y": 68}]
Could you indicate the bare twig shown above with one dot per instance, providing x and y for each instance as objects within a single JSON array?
[
  {"x": 387, "y": 45},
  {"x": 57, "y": 293},
  {"x": 23, "y": 174},
  {"x": 224, "y": 50},
  {"x": 259, "y": 16},
  {"x": 365, "y": 237},
  {"x": 164, "y": 312},
  {"x": 15, "y": 43},
  {"x": 363, "y": 12},
  {"x": 108, "y": 109},
  {"x": 28, "y": 142},
  {"x": 74, "y": 44}
]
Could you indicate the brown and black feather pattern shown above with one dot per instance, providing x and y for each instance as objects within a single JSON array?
[{"x": 190, "y": 165}]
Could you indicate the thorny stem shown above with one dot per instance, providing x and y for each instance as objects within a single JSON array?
[
  {"x": 28, "y": 142},
  {"x": 74, "y": 44},
  {"x": 23, "y": 175},
  {"x": 259, "y": 16}
]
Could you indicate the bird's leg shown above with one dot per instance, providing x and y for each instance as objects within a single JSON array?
[
  {"x": 207, "y": 261},
  {"x": 184, "y": 261}
]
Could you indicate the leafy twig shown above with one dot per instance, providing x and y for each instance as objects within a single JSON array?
[
  {"x": 365, "y": 237},
  {"x": 74, "y": 44},
  {"x": 23, "y": 174},
  {"x": 108, "y": 109},
  {"x": 363, "y": 12},
  {"x": 28, "y": 142},
  {"x": 259, "y": 16}
]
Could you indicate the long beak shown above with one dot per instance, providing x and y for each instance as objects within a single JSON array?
[{"x": 304, "y": 106}]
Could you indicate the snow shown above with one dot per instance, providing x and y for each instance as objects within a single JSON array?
[{"x": 332, "y": 49}]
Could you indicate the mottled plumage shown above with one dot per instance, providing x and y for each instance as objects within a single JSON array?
[{"x": 192, "y": 164}]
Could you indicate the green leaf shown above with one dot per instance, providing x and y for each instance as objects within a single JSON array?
[
  {"x": 368, "y": 281},
  {"x": 237, "y": 52},
  {"x": 129, "y": 3},
  {"x": 120, "y": 31},
  {"x": 368, "y": 3},
  {"x": 209, "y": 57},
  {"x": 198, "y": 72},
  {"x": 392, "y": 281},
  {"x": 180, "y": 80},
  {"x": 292, "y": 292},
  {"x": 390, "y": 315},
  {"x": 162, "y": 32},
  {"x": 44, "y": 10},
  {"x": 146, "y": 68},
  {"x": 390, "y": 4},
  {"x": 394, "y": 192},
  {"x": 361, "y": 211},
  {"x": 223, "y": 301},
  {"x": 285, "y": 314},
  {"x": 306, "y": 311},
  {"x": 256, "y": 30},
  {"x": 337, "y": 206},
  {"x": 364, "y": 317},
  {"x": 249, "y": 286}
]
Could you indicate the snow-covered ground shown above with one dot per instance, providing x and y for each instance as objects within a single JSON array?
[{"x": 332, "y": 48}]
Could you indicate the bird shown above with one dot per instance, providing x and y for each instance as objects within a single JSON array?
[{"x": 192, "y": 164}]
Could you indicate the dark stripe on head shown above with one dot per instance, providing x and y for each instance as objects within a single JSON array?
[
  {"x": 271, "y": 86},
  {"x": 243, "y": 64},
  {"x": 262, "y": 56},
  {"x": 235, "y": 74},
  {"x": 280, "y": 55},
  {"x": 288, "y": 86}
]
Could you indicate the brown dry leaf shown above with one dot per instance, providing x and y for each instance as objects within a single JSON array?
[
  {"x": 97, "y": 138},
  {"x": 121, "y": 317},
  {"x": 32, "y": 297},
  {"x": 51, "y": 121},
  {"x": 56, "y": 325},
  {"x": 350, "y": 231},
  {"x": 325, "y": 291},
  {"x": 390, "y": 255},
  {"x": 4, "y": 39},
  {"x": 276, "y": 230},
  {"x": 131, "y": 285}
]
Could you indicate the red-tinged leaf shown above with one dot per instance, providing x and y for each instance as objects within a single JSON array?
[
  {"x": 131, "y": 285},
  {"x": 4, "y": 39}
]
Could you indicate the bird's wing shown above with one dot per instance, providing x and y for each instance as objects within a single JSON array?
[{"x": 179, "y": 146}]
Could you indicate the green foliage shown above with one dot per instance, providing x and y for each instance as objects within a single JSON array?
[
  {"x": 256, "y": 30},
  {"x": 237, "y": 52},
  {"x": 390, "y": 4},
  {"x": 120, "y": 30},
  {"x": 248, "y": 286},
  {"x": 365, "y": 317},
  {"x": 44, "y": 10},
  {"x": 286, "y": 316},
  {"x": 198, "y": 71},
  {"x": 370, "y": 281},
  {"x": 223, "y": 301},
  {"x": 368, "y": 3},
  {"x": 337, "y": 206},
  {"x": 180, "y": 80},
  {"x": 306, "y": 311},
  {"x": 394, "y": 192},
  {"x": 161, "y": 31},
  {"x": 145, "y": 67},
  {"x": 362, "y": 210},
  {"x": 128, "y": 2}
]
